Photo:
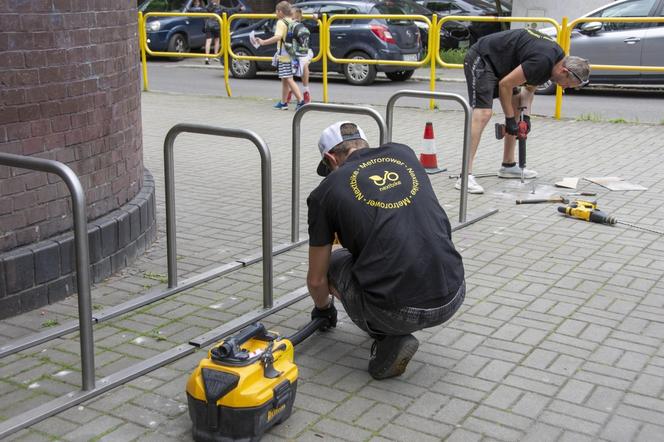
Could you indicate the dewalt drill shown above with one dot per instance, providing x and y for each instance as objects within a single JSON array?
[{"x": 587, "y": 211}]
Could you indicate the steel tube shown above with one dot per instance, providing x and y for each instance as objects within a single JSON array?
[
  {"x": 82, "y": 254},
  {"x": 465, "y": 162},
  {"x": 266, "y": 197},
  {"x": 297, "y": 121}
]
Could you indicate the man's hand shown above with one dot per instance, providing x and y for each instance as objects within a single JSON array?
[
  {"x": 259, "y": 41},
  {"x": 526, "y": 118},
  {"x": 329, "y": 313},
  {"x": 510, "y": 126}
]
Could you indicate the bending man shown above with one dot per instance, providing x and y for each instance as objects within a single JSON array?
[{"x": 495, "y": 67}]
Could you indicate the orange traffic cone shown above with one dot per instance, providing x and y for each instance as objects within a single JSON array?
[{"x": 429, "y": 158}]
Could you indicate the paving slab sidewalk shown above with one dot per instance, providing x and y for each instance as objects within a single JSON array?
[{"x": 561, "y": 336}]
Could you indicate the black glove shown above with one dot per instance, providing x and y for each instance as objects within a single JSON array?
[
  {"x": 510, "y": 126},
  {"x": 526, "y": 118},
  {"x": 329, "y": 313}
]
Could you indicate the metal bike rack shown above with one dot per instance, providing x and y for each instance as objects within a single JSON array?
[
  {"x": 173, "y": 287},
  {"x": 266, "y": 198},
  {"x": 82, "y": 253},
  {"x": 297, "y": 119},
  {"x": 465, "y": 162},
  {"x": 90, "y": 390}
]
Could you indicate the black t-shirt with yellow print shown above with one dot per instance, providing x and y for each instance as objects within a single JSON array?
[
  {"x": 535, "y": 52},
  {"x": 382, "y": 207}
]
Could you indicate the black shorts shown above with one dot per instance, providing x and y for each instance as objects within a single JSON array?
[
  {"x": 212, "y": 33},
  {"x": 375, "y": 320},
  {"x": 481, "y": 81}
]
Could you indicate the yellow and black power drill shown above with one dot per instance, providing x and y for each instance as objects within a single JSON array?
[{"x": 587, "y": 211}]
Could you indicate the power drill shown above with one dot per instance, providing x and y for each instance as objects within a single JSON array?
[{"x": 587, "y": 211}]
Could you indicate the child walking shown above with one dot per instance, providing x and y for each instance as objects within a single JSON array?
[
  {"x": 303, "y": 59},
  {"x": 284, "y": 66}
]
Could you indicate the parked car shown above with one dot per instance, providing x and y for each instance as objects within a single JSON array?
[
  {"x": 180, "y": 34},
  {"x": 624, "y": 44},
  {"x": 475, "y": 8},
  {"x": 353, "y": 39},
  {"x": 454, "y": 35}
]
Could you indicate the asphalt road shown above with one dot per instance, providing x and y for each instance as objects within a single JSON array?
[{"x": 193, "y": 77}]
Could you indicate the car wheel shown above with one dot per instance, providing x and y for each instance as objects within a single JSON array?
[
  {"x": 399, "y": 75},
  {"x": 178, "y": 43},
  {"x": 359, "y": 74},
  {"x": 548, "y": 88},
  {"x": 242, "y": 68}
]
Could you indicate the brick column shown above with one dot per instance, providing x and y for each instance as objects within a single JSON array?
[{"x": 69, "y": 91}]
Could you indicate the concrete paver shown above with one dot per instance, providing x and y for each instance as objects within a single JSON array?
[{"x": 560, "y": 337}]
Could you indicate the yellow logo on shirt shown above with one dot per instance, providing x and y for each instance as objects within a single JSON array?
[
  {"x": 381, "y": 181},
  {"x": 397, "y": 194}
]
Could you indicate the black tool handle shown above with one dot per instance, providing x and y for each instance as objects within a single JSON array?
[
  {"x": 539, "y": 200},
  {"x": 231, "y": 346},
  {"x": 522, "y": 153},
  {"x": 500, "y": 131},
  {"x": 306, "y": 331}
]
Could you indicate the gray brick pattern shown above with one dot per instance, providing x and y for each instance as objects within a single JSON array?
[{"x": 560, "y": 337}]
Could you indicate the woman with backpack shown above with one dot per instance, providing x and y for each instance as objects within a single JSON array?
[{"x": 285, "y": 60}]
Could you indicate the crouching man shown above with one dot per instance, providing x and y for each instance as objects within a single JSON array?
[{"x": 397, "y": 271}]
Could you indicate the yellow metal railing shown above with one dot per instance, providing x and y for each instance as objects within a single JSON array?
[
  {"x": 432, "y": 58},
  {"x": 184, "y": 14}
]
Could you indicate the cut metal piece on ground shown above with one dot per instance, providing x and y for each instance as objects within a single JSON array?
[
  {"x": 476, "y": 175},
  {"x": 615, "y": 183},
  {"x": 568, "y": 182}
]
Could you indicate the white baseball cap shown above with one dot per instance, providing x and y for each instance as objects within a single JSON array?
[{"x": 332, "y": 137}]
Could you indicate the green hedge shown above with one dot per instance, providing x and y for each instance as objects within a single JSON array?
[{"x": 453, "y": 55}]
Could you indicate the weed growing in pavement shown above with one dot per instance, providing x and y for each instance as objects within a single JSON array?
[
  {"x": 156, "y": 277},
  {"x": 156, "y": 335},
  {"x": 455, "y": 56},
  {"x": 50, "y": 323},
  {"x": 596, "y": 118},
  {"x": 589, "y": 117}
]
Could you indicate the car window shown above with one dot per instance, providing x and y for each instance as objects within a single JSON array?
[
  {"x": 400, "y": 7},
  {"x": 331, "y": 10},
  {"x": 163, "y": 6},
  {"x": 446, "y": 8},
  {"x": 635, "y": 8}
]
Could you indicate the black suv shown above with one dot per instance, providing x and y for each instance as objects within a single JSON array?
[
  {"x": 180, "y": 34},
  {"x": 355, "y": 39},
  {"x": 474, "y": 8}
]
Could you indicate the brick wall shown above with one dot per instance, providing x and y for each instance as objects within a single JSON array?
[{"x": 69, "y": 91}]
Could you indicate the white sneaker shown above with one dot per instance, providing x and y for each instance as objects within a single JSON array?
[
  {"x": 515, "y": 172},
  {"x": 473, "y": 187}
]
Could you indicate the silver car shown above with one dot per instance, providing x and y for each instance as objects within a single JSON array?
[{"x": 625, "y": 44}]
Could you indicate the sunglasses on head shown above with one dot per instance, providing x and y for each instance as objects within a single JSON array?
[{"x": 578, "y": 78}]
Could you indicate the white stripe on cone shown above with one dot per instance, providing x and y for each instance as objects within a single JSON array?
[{"x": 428, "y": 158}]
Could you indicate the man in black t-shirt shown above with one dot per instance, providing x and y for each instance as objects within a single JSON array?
[
  {"x": 495, "y": 67},
  {"x": 398, "y": 271}
]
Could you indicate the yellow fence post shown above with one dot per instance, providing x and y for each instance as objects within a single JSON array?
[
  {"x": 324, "y": 44},
  {"x": 433, "y": 47},
  {"x": 563, "y": 39},
  {"x": 225, "y": 48},
  {"x": 141, "y": 44}
]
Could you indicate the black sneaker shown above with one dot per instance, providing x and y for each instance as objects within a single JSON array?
[{"x": 390, "y": 355}]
